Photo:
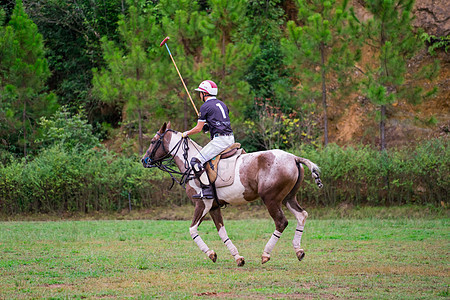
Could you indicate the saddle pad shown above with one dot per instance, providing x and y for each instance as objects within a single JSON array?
[
  {"x": 212, "y": 165},
  {"x": 226, "y": 168}
]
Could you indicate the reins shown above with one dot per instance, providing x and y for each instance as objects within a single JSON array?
[{"x": 165, "y": 163}]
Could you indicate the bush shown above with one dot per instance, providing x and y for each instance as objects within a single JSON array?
[
  {"x": 60, "y": 179},
  {"x": 91, "y": 180},
  {"x": 364, "y": 175},
  {"x": 71, "y": 131}
]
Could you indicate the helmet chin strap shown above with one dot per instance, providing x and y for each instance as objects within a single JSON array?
[{"x": 205, "y": 96}]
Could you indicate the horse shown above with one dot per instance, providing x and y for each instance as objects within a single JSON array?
[{"x": 273, "y": 175}]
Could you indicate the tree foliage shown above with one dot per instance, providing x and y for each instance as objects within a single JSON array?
[
  {"x": 320, "y": 49},
  {"x": 23, "y": 74},
  {"x": 268, "y": 78},
  {"x": 130, "y": 77},
  {"x": 389, "y": 33},
  {"x": 261, "y": 62},
  {"x": 72, "y": 31},
  {"x": 276, "y": 70},
  {"x": 227, "y": 54},
  {"x": 73, "y": 132}
]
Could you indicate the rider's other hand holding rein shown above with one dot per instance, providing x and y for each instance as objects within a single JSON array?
[{"x": 194, "y": 130}]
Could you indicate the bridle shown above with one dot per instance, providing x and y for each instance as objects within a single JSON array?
[{"x": 165, "y": 163}]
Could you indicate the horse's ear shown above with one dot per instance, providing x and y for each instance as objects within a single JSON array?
[
  {"x": 163, "y": 128},
  {"x": 168, "y": 125}
]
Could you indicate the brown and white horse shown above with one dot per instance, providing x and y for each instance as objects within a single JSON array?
[{"x": 274, "y": 176}]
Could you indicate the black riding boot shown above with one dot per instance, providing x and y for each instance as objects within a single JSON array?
[{"x": 207, "y": 191}]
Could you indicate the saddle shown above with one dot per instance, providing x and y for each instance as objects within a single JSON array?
[{"x": 224, "y": 175}]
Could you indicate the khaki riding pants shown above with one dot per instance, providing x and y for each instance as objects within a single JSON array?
[{"x": 214, "y": 147}]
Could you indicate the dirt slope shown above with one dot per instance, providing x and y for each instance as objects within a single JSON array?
[{"x": 353, "y": 120}]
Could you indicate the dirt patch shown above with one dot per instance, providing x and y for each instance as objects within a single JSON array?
[
  {"x": 349, "y": 124},
  {"x": 272, "y": 296},
  {"x": 58, "y": 285}
]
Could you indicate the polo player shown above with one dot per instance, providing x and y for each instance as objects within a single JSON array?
[{"x": 215, "y": 114}]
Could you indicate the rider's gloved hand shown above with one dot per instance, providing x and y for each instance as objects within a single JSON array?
[
  {"x": 184, "y": 134},
  {"x": 205, "y": 128}
]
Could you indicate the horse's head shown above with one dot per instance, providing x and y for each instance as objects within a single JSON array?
[{"x": 159, "y": 147}]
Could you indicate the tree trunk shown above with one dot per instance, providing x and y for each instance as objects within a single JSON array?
[
  {"x": 223, "y": 58},
  {"x": 24, "y": 118},
  {"x": 138, "y": 77},
  {"x": 383, "y": 107},
  {"x": 324, "y": 94},
  {"x": 383, "y": 127},
  {"x": 140, "y": 132}
]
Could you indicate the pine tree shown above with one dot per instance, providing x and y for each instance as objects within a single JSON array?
[
  {"x": 187, "y": 24},
  {"x": 23, "y": 74},
  {"x": 389, "y": 33},
  {"x": 130, "y": 76},
  {"x": 320, "y": 48},
  {"x": 72, "y": 31},
  {"x": 268, "y": 68},
  {"x": 227, "y": 54},
  {"x": 267, "y": 75},
  {"x": 207, "y": 44}
]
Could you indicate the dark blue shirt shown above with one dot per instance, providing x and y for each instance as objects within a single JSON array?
[{"x": 216, "y": 114}]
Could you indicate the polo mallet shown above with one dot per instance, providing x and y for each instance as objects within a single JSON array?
[{"x": 164, "y": 42}]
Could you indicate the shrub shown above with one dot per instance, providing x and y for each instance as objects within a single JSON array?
[
  {"x": 91, "y": 180},
  {"x": 71, "y": 131},
  {"x": 364, "y": 175}
]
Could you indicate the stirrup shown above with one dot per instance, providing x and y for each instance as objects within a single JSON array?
[{"x": 205, "y": 193}]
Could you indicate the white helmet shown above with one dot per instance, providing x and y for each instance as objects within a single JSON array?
[{"x": 208, "y": 86}]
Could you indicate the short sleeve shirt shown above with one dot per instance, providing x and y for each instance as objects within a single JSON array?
[{"x": 216, "y": 114}]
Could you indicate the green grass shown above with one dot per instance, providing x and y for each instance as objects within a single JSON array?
[{"x": 393, "y": 258}]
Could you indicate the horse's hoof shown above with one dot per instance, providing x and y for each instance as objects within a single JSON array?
[
  {"x": 300, "y": 254},
  {"x": 240, "y": 261},
  {"x": 265, "y": 258},
  {"x": 212, "y": 256}
]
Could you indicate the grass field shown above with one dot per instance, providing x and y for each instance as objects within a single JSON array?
[{"x": 362, "y": 258}]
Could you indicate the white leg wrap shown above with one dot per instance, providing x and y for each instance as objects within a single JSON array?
[
  {"x": 201, "y": 244},
  {"x": 226, "y": 240},
  {"x": 272, "y": 241},
  {"x": 301, "y": 219},
  {"x": 298, "y": 236}
]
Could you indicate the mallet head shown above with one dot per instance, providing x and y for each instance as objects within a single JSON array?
[{"x": 164, "y": 41}]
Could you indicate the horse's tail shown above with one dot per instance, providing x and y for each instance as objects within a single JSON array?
[{"x": 315, "y": 170}]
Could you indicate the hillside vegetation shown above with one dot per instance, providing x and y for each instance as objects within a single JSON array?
[{"x": 84, "y": 85}]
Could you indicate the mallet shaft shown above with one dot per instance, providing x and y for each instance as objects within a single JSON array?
[
  {"x": 183, "y": 82},
  {"x": 179, "y": 74}
]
